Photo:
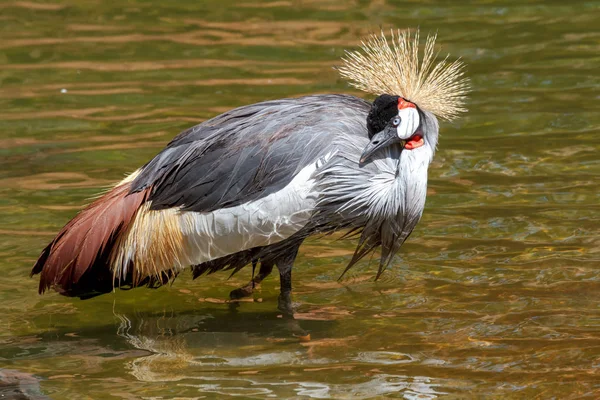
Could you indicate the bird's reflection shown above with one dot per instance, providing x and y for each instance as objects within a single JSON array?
[
  {"x": 168, "y": 352},
  {"x": 177, "y": 341},
  {"x": 247, "y": 354}
]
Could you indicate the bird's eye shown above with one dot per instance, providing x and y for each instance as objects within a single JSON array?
[{"x": 396, "y": 121}]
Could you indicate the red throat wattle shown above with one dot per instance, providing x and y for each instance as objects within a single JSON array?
[{"x": 414, "y": 142}]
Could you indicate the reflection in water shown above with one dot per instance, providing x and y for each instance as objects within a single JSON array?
[
  {"x": 208, "y": 370},
  {"x": 377, "y": 385},
  {"x": 168, "y": 356}
]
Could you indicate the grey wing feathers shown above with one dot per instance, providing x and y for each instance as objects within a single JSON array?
[{"x": 249, "y": 152}]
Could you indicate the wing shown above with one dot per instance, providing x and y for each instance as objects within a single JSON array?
[{"x": 249, "y": 152}]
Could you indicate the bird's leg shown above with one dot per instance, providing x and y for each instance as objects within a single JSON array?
[
  {"x": 284, "y": 302},
  {"x": 245, "y": 291},
  {"x": 284, "y": 265}
]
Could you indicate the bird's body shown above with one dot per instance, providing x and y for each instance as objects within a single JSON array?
[{"x": 249, "y": 186}]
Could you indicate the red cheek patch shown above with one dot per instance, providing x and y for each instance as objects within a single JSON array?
[{"x": 402, "y": 104}]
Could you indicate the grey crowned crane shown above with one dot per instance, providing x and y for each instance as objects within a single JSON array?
[{"x": 248, "y": 186}]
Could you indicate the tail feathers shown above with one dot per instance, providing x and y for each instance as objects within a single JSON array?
[{"x": 76, "y": 262}]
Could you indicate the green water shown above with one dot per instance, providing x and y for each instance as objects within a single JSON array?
[{"x": 495, "y": 295}]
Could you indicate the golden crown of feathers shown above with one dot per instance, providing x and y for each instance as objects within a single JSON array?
[{"x": 396, "y": 69}]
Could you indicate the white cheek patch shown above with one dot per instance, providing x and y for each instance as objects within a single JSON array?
[{"x": 410, "y": 120}]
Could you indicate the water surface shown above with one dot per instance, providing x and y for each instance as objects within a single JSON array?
[{"x": 496, "y": 294}]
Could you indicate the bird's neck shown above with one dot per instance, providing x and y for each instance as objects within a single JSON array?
[
  {"x": 411, "y": 178},
  {"x": 414, "y": 162}
]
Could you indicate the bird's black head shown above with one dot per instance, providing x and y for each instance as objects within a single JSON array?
[
  {"x": 393, "y": 119},
  {"x": 384, "y": 108}
]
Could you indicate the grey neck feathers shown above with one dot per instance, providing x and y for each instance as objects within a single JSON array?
[
  {"x": 382, "y": 200},
  {"x": 412, "y": 176},
  {"x": 430, "y": 130},
  {"x": 407, "y": 197}
]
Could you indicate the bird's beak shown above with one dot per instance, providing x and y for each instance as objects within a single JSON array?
[{"x": 380, "y": 140}]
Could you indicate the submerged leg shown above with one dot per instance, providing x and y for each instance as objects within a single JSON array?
[
  {"x": 284, "y": 265},
  {"x": 245, "y": 291}
]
